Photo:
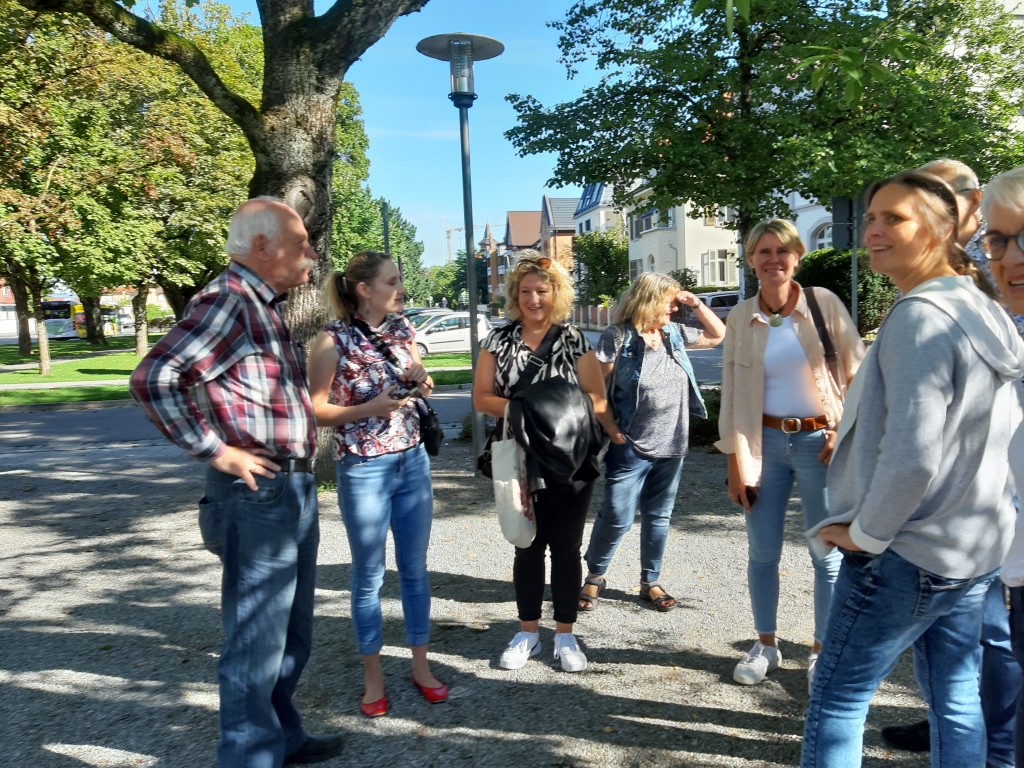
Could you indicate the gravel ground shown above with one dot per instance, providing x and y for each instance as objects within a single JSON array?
[{"x": 110, "y": 635}]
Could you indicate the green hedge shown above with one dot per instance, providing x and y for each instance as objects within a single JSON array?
[
  {"x": 830, "y": 268},
  {"x": 704, "y": 432}
]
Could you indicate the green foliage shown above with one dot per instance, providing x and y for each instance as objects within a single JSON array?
[
  {"x": 831, "y": 269},
  {"x": 686, "y": 277},
  {"x": 713, "y": 288},
  {"x": 704, "y": 432},
  {"x": 600, "y": 265},
  {"x": 63, "y": 395},
  {"x": 731, "y": 119}
]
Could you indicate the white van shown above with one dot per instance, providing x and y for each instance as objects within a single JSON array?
[{"x": 449, "y": 333}]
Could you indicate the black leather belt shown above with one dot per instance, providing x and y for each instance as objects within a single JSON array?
[{"x": 294, "y": 465}]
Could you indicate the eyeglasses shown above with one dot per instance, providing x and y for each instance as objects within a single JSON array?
[
  {"x": 967, "y": 191},
  {"x": 994, "y": 244}
]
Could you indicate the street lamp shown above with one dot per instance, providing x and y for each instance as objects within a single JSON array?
[{"x": 460, "y": 51}]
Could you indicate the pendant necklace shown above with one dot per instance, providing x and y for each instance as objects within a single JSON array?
[{"x": 775, "y": 319}]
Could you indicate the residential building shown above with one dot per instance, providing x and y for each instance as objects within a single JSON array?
[
  {"x": 522, "y": 230},
  {"x": 595, "y": 211},
  {"x": 675, "y": 240},
  {"x": 557, "y": 227}
]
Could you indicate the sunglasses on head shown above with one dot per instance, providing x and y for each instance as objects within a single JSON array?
[{"x": 541, "y": 261}]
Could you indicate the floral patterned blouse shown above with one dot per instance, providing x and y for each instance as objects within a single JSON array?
[{"x": 363, "y": 373}]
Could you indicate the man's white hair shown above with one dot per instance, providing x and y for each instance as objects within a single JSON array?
[
  {"x": 1005, "y": 190},
  {"x": 960, "y": 176},
  {"x": 250, "y": 221}
]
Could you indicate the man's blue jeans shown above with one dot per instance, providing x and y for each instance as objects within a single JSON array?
[
  {"x": 882, "y": 605},
  {"x": 786, "y": 458},
  {"x": 633, "y": 482},
  {"x": 267, "y": 541},
  {"x": 1000, "y": 679},
  {"x": 392, "y": 490}
]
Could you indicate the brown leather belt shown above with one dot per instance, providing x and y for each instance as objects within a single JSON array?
[{"x": 793, "y": 424}]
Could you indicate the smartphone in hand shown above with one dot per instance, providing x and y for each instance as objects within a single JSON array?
[
  {"x": 401, "y": 392},
  {"x": 751, "y": 495}
]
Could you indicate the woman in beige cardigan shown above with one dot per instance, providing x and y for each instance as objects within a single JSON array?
[{"x": 780, "y": 407}]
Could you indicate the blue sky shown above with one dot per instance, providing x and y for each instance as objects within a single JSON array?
[{"x": 414, "y": 129}]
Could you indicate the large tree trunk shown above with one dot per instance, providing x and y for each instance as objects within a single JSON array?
[
  {"x": 141, "y": 326},
  {"x": 22, "y": 309},
  {"x": 93, "y": 320},
  {"x": 178, "y": 296}
]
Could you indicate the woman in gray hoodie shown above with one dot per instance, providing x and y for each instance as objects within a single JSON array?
[{"x": 918, "y": 485}]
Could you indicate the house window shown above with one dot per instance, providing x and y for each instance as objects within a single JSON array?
[
  {"x": 647, "y": 221},
  {"x": 670, "y": 217},
  {"x": 581, "y": 228},
  {"x": 588, "y": 225},
  {"x": 650, "y": 263},
  {"x": 822, "y": 237},
  {"x": 635, "y": 267},
  {"x": 7, "y": 290},
  {"x": 718, "y": 267}
]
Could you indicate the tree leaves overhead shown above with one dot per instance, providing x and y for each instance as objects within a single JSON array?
[{"x": 817, "y": 99}]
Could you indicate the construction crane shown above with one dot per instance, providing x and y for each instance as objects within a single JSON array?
[{"x": 448, "y": 231}]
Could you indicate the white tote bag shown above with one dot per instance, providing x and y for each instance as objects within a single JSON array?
[{"x": 511, "y": 490}]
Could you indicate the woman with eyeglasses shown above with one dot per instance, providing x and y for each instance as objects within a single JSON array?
[
  {"x": 918, "y": 485},
  {"x": 781, "y": 404},
  {"x": 1003, "y": 245},
  {"x": 540, "y": 296}
]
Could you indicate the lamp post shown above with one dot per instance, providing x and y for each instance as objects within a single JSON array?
[{"x": 460, "y": 51}]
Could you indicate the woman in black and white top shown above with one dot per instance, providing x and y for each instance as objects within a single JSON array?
[{"x": 540, "y": 296}]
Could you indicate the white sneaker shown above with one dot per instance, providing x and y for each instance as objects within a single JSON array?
[
  {"x": 812, "y": 662},
  {"x": 761, "y": 660},
  {"x": 569, "y": 653},
  {"x": 523, "y": 646}
]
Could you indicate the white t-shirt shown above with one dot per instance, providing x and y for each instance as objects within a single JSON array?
[{"x": 789, "y": 388}]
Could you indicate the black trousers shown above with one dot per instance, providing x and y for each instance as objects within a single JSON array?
[{"x": 561, "y": 513}]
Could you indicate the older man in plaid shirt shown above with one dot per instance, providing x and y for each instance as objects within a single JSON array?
[{"x": 228, "y": 385}]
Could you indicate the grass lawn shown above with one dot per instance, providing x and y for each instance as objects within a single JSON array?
[
  {"x": 63, "y": 395},
  {"x": 447, "y": 360},
  {"x": 453, "y": 377},
  {"x": 58, "y": 349},
  {"x": 91, "y": 369}
]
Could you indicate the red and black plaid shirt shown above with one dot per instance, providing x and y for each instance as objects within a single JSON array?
[{"x": 229, "y": 373}]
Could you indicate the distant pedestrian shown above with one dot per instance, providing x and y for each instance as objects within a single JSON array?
[
  {"x": 444, "y": 302},
  {"x": 227, "y": 385},
  {"x": 654, "y": 393},
  {"x": 781, "y": 404},
  {"x": 361, "y": 367}
]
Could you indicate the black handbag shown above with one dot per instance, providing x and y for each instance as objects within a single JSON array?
[
  {"x": 530, "y": 371},
  {"x": 431, "y": 434}
]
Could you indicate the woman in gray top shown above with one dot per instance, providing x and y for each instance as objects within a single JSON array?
[
  {"x": 922, "y": 510},
  {"x": 653, "y": 392}
]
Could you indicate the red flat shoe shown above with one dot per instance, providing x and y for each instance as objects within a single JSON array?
[
  {"x": 433, "y": 695},
  {"x": 376, "y": 708}
]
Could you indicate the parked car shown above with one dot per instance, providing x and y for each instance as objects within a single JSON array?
[
  {"x": 720, "y": 302},
  {"x": 449, "y": 332},
  {"x": 422, "y": 317}
]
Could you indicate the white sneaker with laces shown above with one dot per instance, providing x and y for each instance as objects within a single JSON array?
[
  {"x": 569, "y": 653},
  {"x": 523, "y": 646},
  {"x": 761, "y": 660},
  {"x": 812, "y": 662}
]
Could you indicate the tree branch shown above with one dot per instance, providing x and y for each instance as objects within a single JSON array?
[
  {"x": 152, "y": 39},
  {"x": 350, "y": 27}
]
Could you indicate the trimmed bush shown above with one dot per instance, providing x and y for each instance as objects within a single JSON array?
[
  {"x": 830, "y": 268},
  {"x": 704, "y": 432}
]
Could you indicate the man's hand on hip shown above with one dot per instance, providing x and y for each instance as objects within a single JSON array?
[{"x": 246, "y": 464}]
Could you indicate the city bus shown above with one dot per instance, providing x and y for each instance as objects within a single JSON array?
[{"x": 60, "y": 319}]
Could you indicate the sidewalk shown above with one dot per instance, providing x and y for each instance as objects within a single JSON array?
[{"x": 111, "y": 634}]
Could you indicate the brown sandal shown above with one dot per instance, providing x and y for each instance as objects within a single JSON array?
[
  {"x": 591, "y": 600},
  {"x": 664, "y": 603}
]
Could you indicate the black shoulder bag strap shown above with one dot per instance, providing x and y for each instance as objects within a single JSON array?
[
  {"x": 537, "y": 359},
  {"x": 831, "y": 358}
]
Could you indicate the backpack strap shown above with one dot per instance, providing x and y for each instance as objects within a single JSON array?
[{"x": 831, "y": 358}]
